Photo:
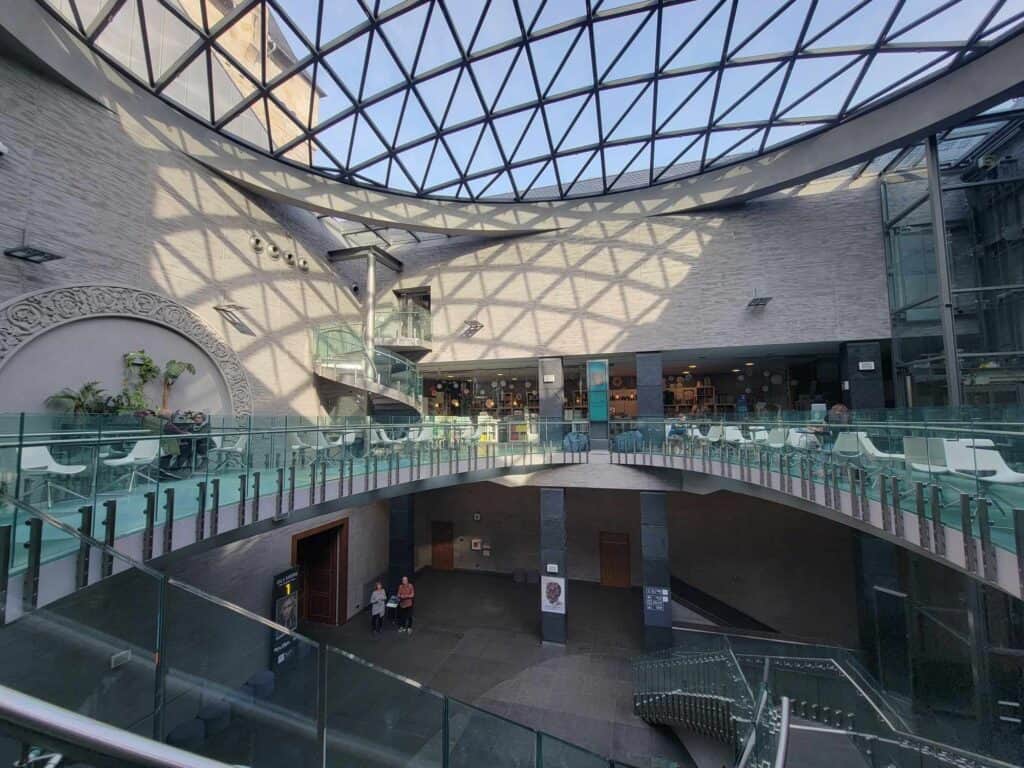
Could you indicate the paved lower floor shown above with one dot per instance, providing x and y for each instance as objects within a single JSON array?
[{"x": 476, "y": 638}]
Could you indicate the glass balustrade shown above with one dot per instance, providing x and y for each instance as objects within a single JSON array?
[
  {"x": 401, "y": 325},
  {"x": 122, "y": 643},
  {"x": 340, "y": 350}
]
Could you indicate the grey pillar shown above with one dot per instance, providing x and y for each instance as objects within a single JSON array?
[
  {"x": 649, "y": 394},
  {"x": 552, "y": 564},
  {"x": 942, "y": 271},
  {"x": 369, "y": 310},
  {"x": 657, "y": 571},
  {"x": 551, "y": 391},
  {"x": 401, "y": 541},
  {"x": 861, "y": 364}
]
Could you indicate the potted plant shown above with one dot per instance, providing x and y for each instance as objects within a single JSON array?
[
  {"x": 89, "y": 398},
  {"x": 172, "y": 371},
  {"x": 139, "y": 370}
]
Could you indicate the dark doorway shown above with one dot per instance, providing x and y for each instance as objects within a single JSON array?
[
  {"x": 614, "y": 559},
  {"x": 442, "y": 554},
  {"x": 892, "y": 630},
  {"x": 322, "y": 557}
]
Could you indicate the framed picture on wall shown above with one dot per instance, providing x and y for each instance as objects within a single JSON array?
[{"x": 476, "y": 544}]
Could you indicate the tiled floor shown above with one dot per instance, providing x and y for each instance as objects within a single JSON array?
[{"x": 476, "y": 639}]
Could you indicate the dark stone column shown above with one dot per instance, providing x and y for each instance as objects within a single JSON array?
[
  {"x": 860, "y": 364},
  {"x": 649, "y": 394},
  {"x": 401, "y": 541},
  {"x": 551, "y": 390},
  {"x": 657, "y": 571},
  {"x": 552, "y": 562}
]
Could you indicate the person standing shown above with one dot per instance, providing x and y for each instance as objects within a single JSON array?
[
  {"x": 378, "y": 602},
  {"x": 406, "y": 595}
]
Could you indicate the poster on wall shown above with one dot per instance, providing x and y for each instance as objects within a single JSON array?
[
  {"x": 286, "y": 613},
  {"x": 597, "y": 389},
  {"x": 552, "y": 594}
]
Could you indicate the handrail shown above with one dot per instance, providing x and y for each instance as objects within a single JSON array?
[
  {"x": 781, "y": 748},
  {"x": 48, "y": 720},
  {"x": 748, "y": 748}
]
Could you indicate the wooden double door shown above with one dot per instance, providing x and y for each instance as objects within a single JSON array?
[
  {"x": 614, "y": 552},
  {"x": 322, "y": 557}
]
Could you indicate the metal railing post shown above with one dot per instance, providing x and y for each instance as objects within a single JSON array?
[
  {"x": 938, "y": 530},
  {"x": 214, "y": 506},
  {"x": 883, "y": 500},
  {"x": 6, "y": 547},
  {"x": 291, "y": 488},
  {"x": 923, "y": 530},
  {"x": 851, "y": 478},
  {"x": 323, "y": 481},
  {"x": 200, "y": 510},
  {"x": 351, "y": 471},
  {"x": 110, "y": 529},
  {"x": 279, "y": 496},
  {"x": 168, "y": 520},
  {"x": 311, "y": 499},
  {"x": 34, "y": 545},
  {"x": 243, "y": 488},
  {"x": 1018, "y": 538},
  {"x": 897, "y": 508},
  {"x": 989, "y": 565},
  {"x": 84, "y": 552},
  {"x": 149, "y": 517},
  {"x": 970, "y": 550},
  {"x": 255, "y": 513}
]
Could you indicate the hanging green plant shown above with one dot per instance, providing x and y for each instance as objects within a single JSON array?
[
  {"x": 139, "y": 370},
  {"x": 172, "y": 371}
]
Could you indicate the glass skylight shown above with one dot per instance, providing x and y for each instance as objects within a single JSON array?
[{"x": 529, "y": 99}]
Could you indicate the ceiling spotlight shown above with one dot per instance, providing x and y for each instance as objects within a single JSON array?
[
  {"x": 31, "y": 255},
  {"x": 735, "y": 370},
  {"x": 749, "y": 365},
  {"x": 692, "y": 365},
  {"x": 274, "y": 251},
  {"x": 256, "y": 243},
  {"x": 471, "y": 328},
  {"x": 758, "y": 302}
]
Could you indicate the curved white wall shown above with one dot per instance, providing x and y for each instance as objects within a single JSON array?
[{"x": 91, "y": 350}]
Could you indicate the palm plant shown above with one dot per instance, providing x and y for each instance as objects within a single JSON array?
[
  {"x": 88, "y": 398},
  {"x": 172, "y": 371}
]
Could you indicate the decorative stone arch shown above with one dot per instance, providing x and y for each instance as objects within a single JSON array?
[{"x": 32, "y": 314}]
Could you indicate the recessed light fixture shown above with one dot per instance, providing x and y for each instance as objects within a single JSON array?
[
  {"x": 749, "y": 365},
  {"x": 501, "y": 374},
  {"x": 735, "y": 370},
  {"x": 31, "y": 255},
  {"x": 692, "y": 365}
]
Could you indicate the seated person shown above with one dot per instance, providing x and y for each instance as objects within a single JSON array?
[{"x": 200, "y": 445}]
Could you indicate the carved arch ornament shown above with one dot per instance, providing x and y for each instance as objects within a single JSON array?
[{"x": 32, "y": 314}]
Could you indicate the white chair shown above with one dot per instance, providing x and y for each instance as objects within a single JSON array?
[
  {"x": 36, "y": 460},
  {"x": 143, "y": 455},
  {"x": 758, "y": 435},
  {"x": 343, "y": 441},
  {"x": 734, "y": 436},
  {"x": 982, "y": 464},
  {"x": 380, "y": 442},
  {"x": 872, "y": 451},
  {"x": 803, "y": 440},
  {"x": 222, "y": 455},
  {"x": 714, "y": 435},
  {"x": 925, "y": 454},
  {"x": 777, "y": 438},
  {"x": 847, "y": 445}
]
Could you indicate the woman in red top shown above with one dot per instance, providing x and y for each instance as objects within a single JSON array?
[{"x": 406, "y": 594}]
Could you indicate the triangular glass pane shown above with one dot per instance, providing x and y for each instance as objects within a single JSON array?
[
  {"x": 287, "y": 49},
  {"x": 780, "y": 35},
  {"x": 500, "y": 189},
  {"x": 282, "y": 127},
  {"x": 398, "y": 180},
  {"x": 632, "y": 161},
  {"x": 577, "y": 72},
  {"x": 695, "y": 110},
  {"x": 416, "y": 160},
  {"x": 611, "y": 35},
  {"x": 535, "y": 141},
  {"x": 169, "y": 38},
  {"x": 637, "y": 119},
  {"x": 639, "y": 57},
  {"x": 783, "y": 133},
  {"x": 404, "y": 32},
  {"x": 808, "y": 74},
  {"x": 734, "y": 106},
  {"x": 558, "y": 12},
  {"x": 376, "y": 173},
  {"x": 340, "y": 17},
  {"x": 241, "y": 41},
  {"x": 862, "y": 28},
  {"x": 501, "y": 24},
  {"x": 465, "y": 104},
  {"x": 385, "y": 114},
  {"x": 548, "y": 53},
  {"x": 381, "y": 71},
  {"x": 230, "y": 85},
  {"x": 673, "y": 91},
  {"x": 295, "y": 94},
  {"x": 511, "y": 127},
  {"x": 439, "y": 46},
  {"x": 436, "y": 92},
  {"x": 450, "y": 191},
  {"x": 569, "y": 166},
  {"x": 330, "y": 98},
  {"x": 998, "y": 25},
  {"x": 415, "y": 123},
  {"x": 616, "y": 101},
  {"x": 338, "y": 138},
  {"x": 441, "y": 170},
  {"x": 721, "y": 142},
  {"x": 669, "y": 164},
  {"x": 303, "y": 15},
  {"x": 465, "y": 22},
  {"x": 889, "y": 68},
  {"x": 190, "y": 89},
  {"x": 462, "y": 143},
  {"x": 490, "y": 73},
  {"x": 701, "y": 48},
  {"x": 487, "y": 155},
  {"x": 250, "y": 126},
  {"x": 545, "y": 186},
  {"x": 63, "y": 7},
  {"x": 560, "y": 115},
  {"x": 122, "y": 41},
  {"x": 955, "y": 23},
  {"x": 590, "y": 180},
  {"x": 520, "y": 86},
  {"x": 366, "y": 144},
  {"x": 88, "y": 10},
  {"x": 348, "y": 62},
  {"x": 584, "y": 133},
  {"x": 479, "y": 184},
  {"x": 524, "y": 174}
]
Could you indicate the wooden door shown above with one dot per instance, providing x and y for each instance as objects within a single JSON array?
[
  {"x": 442, "y": 552},
  {"x": 614, "y": 549},
  {"x": 322, "y": 556}
]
